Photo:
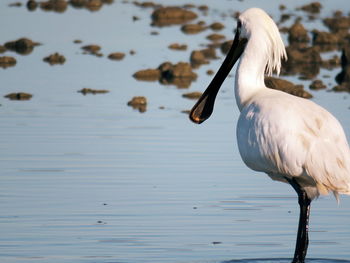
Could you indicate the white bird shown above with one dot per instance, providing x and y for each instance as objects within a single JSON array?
[{"x": 291, "y": 139}]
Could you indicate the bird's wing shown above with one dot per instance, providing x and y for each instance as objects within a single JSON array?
[{"x": 294, "y": 137}]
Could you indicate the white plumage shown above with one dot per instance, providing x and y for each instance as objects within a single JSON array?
[
  {"x": 291, "y": 139},
  {"x": 281, "y": 134}
]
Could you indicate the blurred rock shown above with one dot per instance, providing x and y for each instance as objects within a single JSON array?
[
  {"x": 284, "y": 17},
  {"x": 15, "y": 4},
  {"x": 176, "y": 46},
  {"x": 91, "y": 5},
  {"x": 147, "y": 4},
  {"x": 317, "y": 85},
  {"x": 215, "y": 37},
  {"x": 2, "y": 49},
  {"x": 78, "y": 3},
  {"x": 193, "y": 28},
  {"x": 209, "y": 53},
  {"x": 148, "y": 75},
  {"x": 7, "y": 61},
  {"x": 197, "y": 58},
  {"x": 179, "y": 74},
  {"x": 216, "y": 26},
  {"x": 189, "y": 6},
  {"x": 326, "y": 41},
  {"x": 139, "y": 103},
  {"x": 304, "y": 61},
  {"x": 210, "y": 72},
  {"x": 116, "y": 56},
  {"x": 192, "y": 95},
  {"x": 92, "y": 49},
  {"x": 22, "y": 46},
  {"x": 85, "y": 91},
  {"x": 55, "y": 58},
  {"x": 203, "y": 8},
  {"x": 314, "y": 7},
  {"x": 200, "y": 57},
  {"x": 286, "y": 86},
  {"x": 297, "y": 33},
  {"x": 32, "y": 5},
  {"x": 331, "y": 63},
  {"x": 19, "y": 96},
  {"x": 338, "y": 24},
  {"x": 165, "y": 16},
  {"x": 54, "y": 5},
  {"x": 282, "y": 7},
  {"x": 320, "y": 38},
  {"x": 344, "y": 87}
]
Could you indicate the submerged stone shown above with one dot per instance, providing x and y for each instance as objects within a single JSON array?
[
  {"x": 148, "y": 74},
  {"x": 193, "y": 28},
  {"x": 7, "y": 61},
  {"x": 116, "y": 56},
  {"x": 317, "y": 85},
  {"x": 19, "y": 96},
  {"x": 298, "y": 33},
  {"x": 165, "y": 16},
  {"x": 139, "y": 103},
  {"x": 192, "y": 95},
  {"x": 176, "y": 46},
  {"x": 314, "y": 7},
  {"x": 22, "y": 46},
  {"x": 85, "y": 91},
  {"x": 55, "y": 58}
]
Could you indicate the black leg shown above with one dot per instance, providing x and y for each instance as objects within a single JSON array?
[{"x": 302, "y": 237}]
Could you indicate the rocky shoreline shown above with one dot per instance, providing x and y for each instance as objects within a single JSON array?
[{"x": 305, "y": 48}]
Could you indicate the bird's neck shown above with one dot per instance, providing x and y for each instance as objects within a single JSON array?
[{"x": 250, "y": 74}]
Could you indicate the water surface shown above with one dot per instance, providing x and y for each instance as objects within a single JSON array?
[{"x": 88, "y": 179}]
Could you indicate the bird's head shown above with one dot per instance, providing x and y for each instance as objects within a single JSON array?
[{"x": 255, "y": 24}]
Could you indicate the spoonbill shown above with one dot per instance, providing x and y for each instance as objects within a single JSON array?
[{"x": 291, "y": 139}]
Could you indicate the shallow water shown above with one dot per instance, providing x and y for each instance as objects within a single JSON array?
[
  {"x": 89, "y": 179},
  {"x": 285, "y": 260}
]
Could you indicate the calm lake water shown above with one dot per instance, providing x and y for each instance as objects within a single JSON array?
[{"x": 89, "y": 179}]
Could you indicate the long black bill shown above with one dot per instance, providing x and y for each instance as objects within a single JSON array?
[{"x": 204, "y": 106}]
